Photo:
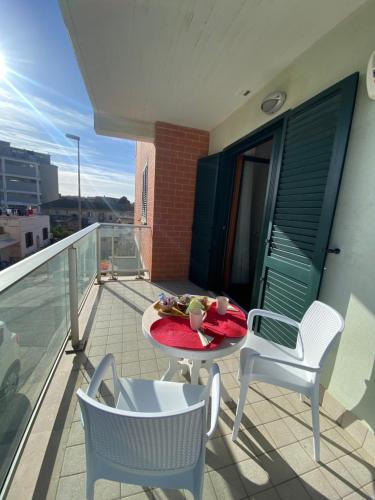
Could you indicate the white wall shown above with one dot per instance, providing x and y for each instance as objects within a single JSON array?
[
  {"x": 17, "y": 227},
  {"x": 349, "y": 280}
]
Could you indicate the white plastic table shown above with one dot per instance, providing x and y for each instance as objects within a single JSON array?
[{"x": 187, "y": 359}]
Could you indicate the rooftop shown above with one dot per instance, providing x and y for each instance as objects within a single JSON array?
[
  {"x": 272, "y": 459},
  {"x": 93, "y": 203}
]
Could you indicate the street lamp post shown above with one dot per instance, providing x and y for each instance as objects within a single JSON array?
[{"x": 77, "y": 139}]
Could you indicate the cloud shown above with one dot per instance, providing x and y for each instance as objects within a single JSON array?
[
  {"x": 36, "y": 123},
  {"x": 95, "y": 181}
]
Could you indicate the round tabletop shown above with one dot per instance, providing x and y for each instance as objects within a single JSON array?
[{"x": 227, "y": 346}]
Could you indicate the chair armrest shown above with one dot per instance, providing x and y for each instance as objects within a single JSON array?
[
  {"x": 97, "y": 378},
  {"x": 215, "y": 398},
  {"x": 270, "y": 315},
  {"x": 248, "y": 354}
]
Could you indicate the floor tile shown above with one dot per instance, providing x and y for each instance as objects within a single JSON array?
[
  {"x": 145, "y": 354},
  {"x": 269, "y": 391},
  {"x": 114, "y": 348},
  {"x": 369, "y": 489},
  {"x": 76, "y": 434},
  {"x": 358, "y": 495},
  {"x": 283, "y": 406},
  {"x": 298, "y": 426},
  {"x": 74, "y": 460},
  {"x": 98, "y": 350},
  {"x": 292, "y": 489},
  {"x": 227, "y": 483},
  {"x": 265, "y": 411},
  {"x": 131, "y": 489},
  {"x": 253, "y": 476},
  {"x": 326, "y": 454},
  {"x": 114, "y": 338},
  {"x": 280, "y": 433},
  {"x": 339, "y": 478},
  {"x": 298, "y": 405},
  {"x": 131, "y": 369},
  {"x": 249, "y": 417},
  {"x": 297, "y": 458},
  {"x": 218, "y": 454},
  {"x": 363, "y": 472},
  {"x": 256, "y": 440},
  {"x": 336, "y": 443},
  {"x": 165, "y": 494},
  {"x": 277, "y": 468},
  {"x": 148, "y": 365},
  {"x": 270, "y": 494},
  {"x": 317, "y": 485}
]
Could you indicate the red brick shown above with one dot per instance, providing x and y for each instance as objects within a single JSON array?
[{"x": 172, "y": 170}]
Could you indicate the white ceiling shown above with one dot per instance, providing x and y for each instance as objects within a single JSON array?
[{"x": 185, "y": 61}]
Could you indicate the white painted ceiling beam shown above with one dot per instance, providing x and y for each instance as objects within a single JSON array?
[{"x": 117, "y": 126}]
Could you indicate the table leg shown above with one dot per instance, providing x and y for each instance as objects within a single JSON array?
[
  {"x": 194, "y": 371},
  {"x": 172, "y": 368},
  {"x": 207, "y": 365}
]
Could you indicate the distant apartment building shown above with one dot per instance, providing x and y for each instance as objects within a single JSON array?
[
  {"x": 64, "y": 211},
  {"x": 27, "y": 178},
  {"x": 21, "y": 236}
]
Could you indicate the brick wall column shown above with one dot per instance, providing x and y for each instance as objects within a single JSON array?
[
  {"x": 172, "y": 175},
  {"x": 177, "y": 151}
]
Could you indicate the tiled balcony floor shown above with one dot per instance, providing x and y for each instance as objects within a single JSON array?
[{"x": 272, "y": 458}]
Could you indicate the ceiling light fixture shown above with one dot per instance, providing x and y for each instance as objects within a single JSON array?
[{"x": 273, "y": 102}]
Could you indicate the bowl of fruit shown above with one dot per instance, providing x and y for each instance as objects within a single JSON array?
[
  {"x": 166, "y": 303},
  {"x": 183, "y": 302}
]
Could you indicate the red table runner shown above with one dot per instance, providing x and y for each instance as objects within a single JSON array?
[
  {"x": 176, "y": 332},
  {"x": 232, "y": 324}
]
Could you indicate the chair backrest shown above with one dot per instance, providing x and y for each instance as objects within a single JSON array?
[
  {"x": 158, "y": 442},
  {"x": 319, "y": 327}
]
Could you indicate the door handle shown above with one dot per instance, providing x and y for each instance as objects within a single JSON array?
[{"x": 334, "y": 250}]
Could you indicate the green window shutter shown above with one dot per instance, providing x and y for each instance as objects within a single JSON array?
[
  {"x": 203, "y": 221},
  {"x": 311, "y": 165}
]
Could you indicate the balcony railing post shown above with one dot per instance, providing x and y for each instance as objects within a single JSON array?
[
  {"x": 73, "y": 299},
  {"x": 139, "y": 264},
  {"x": 98, "y": 257},
  {"x": 112, "y": 250}
]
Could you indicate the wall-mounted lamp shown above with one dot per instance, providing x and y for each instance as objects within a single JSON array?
[
  {"x": 370, "y": 80},
  {"x": 273, "y": 102}
]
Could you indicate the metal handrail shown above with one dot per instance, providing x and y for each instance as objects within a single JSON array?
[
  {"x": 125, "y": 225},
  {"x": 19, "y": 270},
  {"x": 16, "y": 272}
]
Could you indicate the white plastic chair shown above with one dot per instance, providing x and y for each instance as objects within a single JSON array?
[
  {"x": 154, "y": 436},
  {"x": 297, "y": 369}
]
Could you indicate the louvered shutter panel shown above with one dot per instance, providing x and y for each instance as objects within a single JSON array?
[
  {"x": 201, "y": 263},
  {"x": 312, "y": 160}
]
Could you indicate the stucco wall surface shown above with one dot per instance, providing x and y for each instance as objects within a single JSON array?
[{"x": 349, "y": 278}]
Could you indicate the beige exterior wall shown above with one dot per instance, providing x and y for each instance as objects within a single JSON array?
[
  {"x": 17, "y": 227},
  {"x": 49, "y": 182},
  {"x": 349, "y": 279}
]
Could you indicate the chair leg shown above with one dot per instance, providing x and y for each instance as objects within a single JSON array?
[
  {"x": 315, "y": 422},
  {"x": 90, "y": 485},
  {"x": 240, "y": 406},
  {"x": 198, "y": 489}
]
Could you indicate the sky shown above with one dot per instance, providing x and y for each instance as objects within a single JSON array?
[{"x": 43, "y": 97}]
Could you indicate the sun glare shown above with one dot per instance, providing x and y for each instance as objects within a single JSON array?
[{"x": 3, "y": 67}]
